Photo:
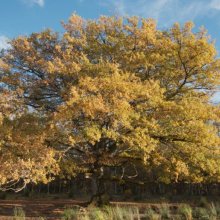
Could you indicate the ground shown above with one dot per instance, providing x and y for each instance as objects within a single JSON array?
[
  {"x": 51, "y": 209},
  {"x": 35, "y": 208}
]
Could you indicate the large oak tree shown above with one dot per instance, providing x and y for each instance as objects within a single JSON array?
[{"x": 118, "y": 92}]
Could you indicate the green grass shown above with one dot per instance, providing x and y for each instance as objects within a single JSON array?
[
  {"x": 202, "y": 211},
  {"x": 185, "y": 211},
  {"x": 105, "y": 213},
  {"x": 70, "y": 214},
  {"x": 150, "y": 214},
  {"x": 19, "y": 213},
  {"x": 164, "y": 211}
]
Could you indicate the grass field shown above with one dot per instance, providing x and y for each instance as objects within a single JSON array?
[{"x": 66, "y": 209}]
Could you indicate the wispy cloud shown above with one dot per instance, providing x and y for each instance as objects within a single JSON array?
[
  {"x": 166, "y": 11},
  {"x": 3, "y": 42},
  {"x": 215, "y": 4},
  {"x": 34, "y": 2}
]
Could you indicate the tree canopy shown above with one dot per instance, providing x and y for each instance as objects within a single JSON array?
[{"x": 111, "y": 92}]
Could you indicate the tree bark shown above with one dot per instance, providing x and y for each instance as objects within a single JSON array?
[{"x": 99, "y": 197}]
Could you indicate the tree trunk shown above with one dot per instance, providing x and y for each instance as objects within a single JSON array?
[{"x": 99, "y": 195}]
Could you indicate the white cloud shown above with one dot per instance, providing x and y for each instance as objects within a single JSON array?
[
  {"x": 4, "y": 42},
  {"x": 144, "y": 8},
  {"x": 154, "y": 8},
  {"x": 35, "y": 2},
  {"x": 215, "y": 4},
  {"x": 164, "y": 11}
]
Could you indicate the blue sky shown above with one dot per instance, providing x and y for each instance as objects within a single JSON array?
[{"x": 21, "y": 17}]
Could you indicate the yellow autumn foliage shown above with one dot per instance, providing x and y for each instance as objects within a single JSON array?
[{"x": 117, "y": 91}]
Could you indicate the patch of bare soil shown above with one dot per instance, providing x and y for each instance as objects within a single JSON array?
[{"x": 36, "y": 208}]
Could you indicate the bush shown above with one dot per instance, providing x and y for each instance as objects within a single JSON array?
[
  {"x": 70, "y": 214},
  {"x": 150, "y": 214},
  {"x": 201, "y": 213},
  {"x": 97, "y": 214},
  {"x": 164, "y": 211},
  {"x": 133, "y": 213},
  {"x": 118, "y": 213},
  {"x": 19, "y": 213},
  {"x": 217, "y": 207},
  {"x": 203, "y": 202},
  {"x": 213, "y": 211},
  {"x": 186, "y": 211},
  {"x": 109, "y": 212}
]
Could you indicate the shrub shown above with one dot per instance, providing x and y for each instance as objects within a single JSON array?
[
  {"x": 213, "y": 211},
  {"x": 109, "y": 212},
  {"x": 217, "y": 207},
  {"x": 150, "y": 214},
  {"x": 164, "y": 211},
  {"x": 186, "y": 211},
  {"x": 119, "y": 212},
  {"x": 201, "y": 213},
  {"x": 203, "y": 202},
  {"x": 97, "y": 214},
  {"x": 132, "y": 213},
  {"x": 19, "y": 213},
  {"x": 106, "y": 213},
  {"x": 70, "y": 214}
]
